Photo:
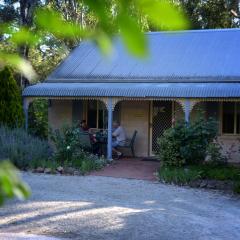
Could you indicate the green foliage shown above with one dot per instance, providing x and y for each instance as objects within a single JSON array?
[
  {"x": 44, "y": 163},
  {"x": 23, "y": 36},
  {"x": 98, "y": 21},
  {"x": 214, "y": 153},
  {"x": 11, "y": 111},
  {"x": 45, "y": 59},
  {"x": 21, "y": 148},
  {"x": 38, "y": 118},
  {"x": 163, "y": 14},
  {"x": 17, "y": 63},
  {"x": 187, "y": 174},
  {"x": 210, "y": 14},
  {"x": 95, "y": 20},
  {"x": 236, "y": 188},
  {"x": 186, "y": 143},
  {"x": 67, "y": 143},
  {"x": 130, "y": 34},
  {"x": 220, "y": 172},
  {"x": 169, "y": 147},
  {"x": 10, "y": 183},
  {"x": 86, "y": 162},
  {"x": 50, "y": 20},
  {"x": 179, "y": 176},
  {"x": 71, "y": 151},
  {"x": 216, "y": 13}
]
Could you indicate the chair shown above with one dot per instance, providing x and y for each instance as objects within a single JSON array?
[
  {"x": 86, "y": 141},
  {"x": 130, "y": 143}
]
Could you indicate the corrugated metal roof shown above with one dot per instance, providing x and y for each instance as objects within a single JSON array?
[
  {"x": 142, "y": 90},
  {"x": 187, "y": 56}
]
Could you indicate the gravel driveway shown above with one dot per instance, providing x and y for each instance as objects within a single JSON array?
[{"x": 94, "y": 207}]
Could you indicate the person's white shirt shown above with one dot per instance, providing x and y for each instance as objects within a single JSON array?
[{"x": 119, "y": 133}]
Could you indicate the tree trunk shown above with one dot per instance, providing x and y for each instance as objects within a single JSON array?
[{"x": 27, "y": 8}]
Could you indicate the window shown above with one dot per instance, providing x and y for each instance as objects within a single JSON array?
[
  {"x": 92, "y": 114},
  {"x": 96, "y": 114},
  {"x": 230, "y": 118},
  {"x": 77, "y": 111},
  {"x": 102, "y": 115}
]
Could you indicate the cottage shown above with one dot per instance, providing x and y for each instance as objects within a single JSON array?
[{"x": 186, "y": 73}]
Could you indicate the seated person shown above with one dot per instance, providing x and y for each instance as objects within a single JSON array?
[
  {"x": 84, "y": 126},
  {"x": 119, "y": 138}
]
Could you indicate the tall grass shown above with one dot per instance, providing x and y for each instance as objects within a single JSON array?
[
  {"x": 179, "y": 176},
  {"x": 22, "y": 148},
  {"x": 187, "y": 174}
]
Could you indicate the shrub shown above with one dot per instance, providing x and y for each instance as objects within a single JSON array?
[
  {"x": 214, "y": 153},
  {"x": 87, "y": 162},
  {"x": 11, "y": 111},
  {"x": 38, "y": 118},
  {"x": 169, "y": 147},
  {"x": 67, "y": 143},
  {"x": 22, "y": 148},
  {"x": 71, "y": 152},
  {"x": 186, "y": 143}
]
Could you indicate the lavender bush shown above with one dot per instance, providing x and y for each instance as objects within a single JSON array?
[{"x": 21, "y": 148}]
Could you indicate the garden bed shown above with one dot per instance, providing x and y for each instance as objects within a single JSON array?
[
  {"x": 68, "y": 170},
  {"x": 28, "y": 152}
]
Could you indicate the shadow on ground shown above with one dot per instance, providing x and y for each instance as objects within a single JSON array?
[{"x": 109, "y": 208}]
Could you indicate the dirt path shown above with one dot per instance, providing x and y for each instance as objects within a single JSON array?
[{"x": 95, "y": 207}]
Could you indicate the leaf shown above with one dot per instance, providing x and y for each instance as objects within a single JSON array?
[
  {"x": 104, "y": 43},
  {"x": 21, "y": 191},
  {"x": 10, "y": 183},
  {"x": 7, "y": 186},
  {"x": 22, "y": 65},
  {"x": 24, "y": 36},
  {"x": 99, "y": 8},
  {"x": 163, "y": 14},
  {"x": 5, "y": 28},
  {"x": 132, "y": 36},
  {"x": 53, "y": 22}
]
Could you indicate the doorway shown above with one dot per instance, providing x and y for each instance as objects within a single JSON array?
[{"x": 160, "y": 120}]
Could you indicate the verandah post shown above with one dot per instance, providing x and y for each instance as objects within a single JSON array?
[{"x": 110, "y": 117}]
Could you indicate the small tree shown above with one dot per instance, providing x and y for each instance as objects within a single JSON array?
[{"x": 11, "y": 110}]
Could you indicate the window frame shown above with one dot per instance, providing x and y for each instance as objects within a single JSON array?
[
  {"x": 235, "y": 120},
  {"x": 97, "y": 110}
]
